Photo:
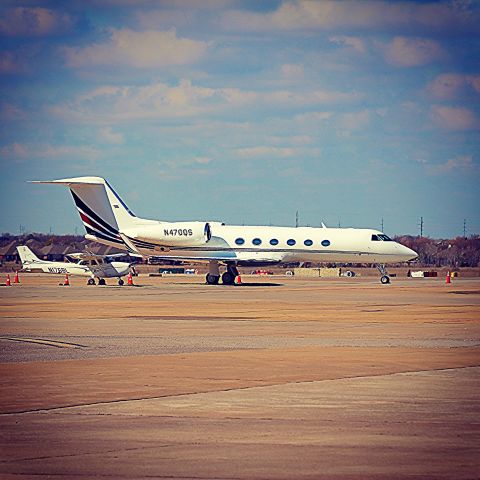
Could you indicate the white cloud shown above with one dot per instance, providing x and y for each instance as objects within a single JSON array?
[
  {"x": 108, "y": 135},
  {"x": 313, "y": 116},
  {"x": 11, "y": 112},
  {"x": 25, "y": 21},
  {"x": 332, "y": 14},
  {"x": 202, "y": 160},
  {"x": 112, "y": 104},
  {"x": 15, "y": 151},
  {"x": 11, "y": 63},
  {"x": 265, "y": 151},
  {"x": 66, "y": 152},
  {"x": 454, "y": 118},
  {"x": 356, "y": 43},
  {"x": 412, "y": 52},
  {"x": 450, "y": 85},
  {"x": 21, "y": 151},
  {"x": 292, "y": 71},
  {"x": 138, "y": 49},
  {"x": 355, "y": 120},
  {"x": 463, "y": 163},
  {"x": 292, "y": 140},
  {"x": 182, "y": 163}
]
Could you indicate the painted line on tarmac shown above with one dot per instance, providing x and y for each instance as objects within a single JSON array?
[{"x": 41, "y": 341}]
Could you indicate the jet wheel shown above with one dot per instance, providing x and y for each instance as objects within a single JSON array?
[
  {"x": 228, "y": 278},
  {"x": 212, "y": 279},
  {"x": 101, "y": 281},
  {"x": 91, "y": 281},
  {"x": 385, "y": 279},
  {"x": 120, "y": 282}
]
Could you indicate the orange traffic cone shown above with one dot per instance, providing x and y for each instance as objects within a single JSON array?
[
  {"x": 448, "y": 278},
  {"x": 8, "y": 283},
  {"x": 16, "y": 279},
  {"x": 130, "y": 279},
  {"x": 238, "y": 280},
  {"x": 67, "y": 281}
]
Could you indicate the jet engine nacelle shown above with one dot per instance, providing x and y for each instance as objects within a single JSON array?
[{"x": 173, "y": 234}]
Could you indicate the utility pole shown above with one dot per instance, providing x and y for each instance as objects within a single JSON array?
[
  {"x": 421, "y": 226},
  {"x": 382, "y": 226},
  {"x": 296, "y": 219},
  {"x": 464, "y": 228}
]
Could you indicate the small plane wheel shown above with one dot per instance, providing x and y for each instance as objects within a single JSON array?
[
  {"x": 91, "y": 281},
  {"x": 101, "y": 281},
  {"x": 385, "y": 279},
  {"x": 120, "y": 282},
  {"x": 212, "y": 279},
  {"x": 228, "y": 278}
]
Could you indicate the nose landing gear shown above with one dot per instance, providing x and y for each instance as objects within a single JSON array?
[{"x": 384, "y": 279}]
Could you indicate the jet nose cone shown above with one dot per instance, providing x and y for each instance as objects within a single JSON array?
[{"x": 408, "y": 252}]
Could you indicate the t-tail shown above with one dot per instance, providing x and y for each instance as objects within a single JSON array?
[
  {"x": 104, "y": 214},
  {"x": 108, "y": 220}
]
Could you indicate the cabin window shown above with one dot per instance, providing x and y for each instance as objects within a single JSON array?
[
  {"x": 375, "y": 238},
  {"x": 239, "y": 241},
  {"x": 308, "y": 243},
  {"x": 325, "y": 243},
  {"x": 291, "y": 242},
  {"x": 256, "y": 241},
  {"x": 385, "y": 238},
  {"x": 273, "y": 241}
]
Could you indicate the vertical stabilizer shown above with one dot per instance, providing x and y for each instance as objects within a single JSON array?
[
  {"x": 91, "y": 199},
  {"x": 26, "y": 255}
]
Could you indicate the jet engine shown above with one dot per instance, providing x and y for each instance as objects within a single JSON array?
[{"x": 174, "y": 234}]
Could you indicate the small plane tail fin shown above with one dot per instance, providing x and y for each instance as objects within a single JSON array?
[
  {"x": 102, "y": 211},
  {"x": 26, "y": 255}
]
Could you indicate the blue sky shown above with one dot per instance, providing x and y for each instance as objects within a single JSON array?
[{"x": 244, "y": 111}]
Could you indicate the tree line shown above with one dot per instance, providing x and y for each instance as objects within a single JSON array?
[{"x": 457, "y": 252}]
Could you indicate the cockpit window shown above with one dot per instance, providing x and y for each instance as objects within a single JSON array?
[{"x": 381, "y": 238}]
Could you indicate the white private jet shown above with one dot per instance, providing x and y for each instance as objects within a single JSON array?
[
  {"x": 87, "y": 265},
  {"x": 108, "y": 220}
]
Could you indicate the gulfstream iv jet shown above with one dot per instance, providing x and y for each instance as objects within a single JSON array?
[{"x": 108, "y": 220}]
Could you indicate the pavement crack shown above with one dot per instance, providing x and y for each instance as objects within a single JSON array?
[{"x": 232, "y": 389}]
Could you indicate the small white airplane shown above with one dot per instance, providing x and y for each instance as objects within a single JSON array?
[
  {"x": 108, "y": 220},
  {"x": 87, "y": 265}
]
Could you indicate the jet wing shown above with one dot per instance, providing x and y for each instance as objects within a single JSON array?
[{"x": 202, "y": 260}]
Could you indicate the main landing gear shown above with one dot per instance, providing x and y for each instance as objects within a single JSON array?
[
  {"x": 101, "y": 281},
  {"x": 213, "y": 275},
  {"x": 384, "y": 274}
]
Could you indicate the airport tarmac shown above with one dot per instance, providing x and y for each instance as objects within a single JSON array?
[{"x": 278, "y": 378}]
